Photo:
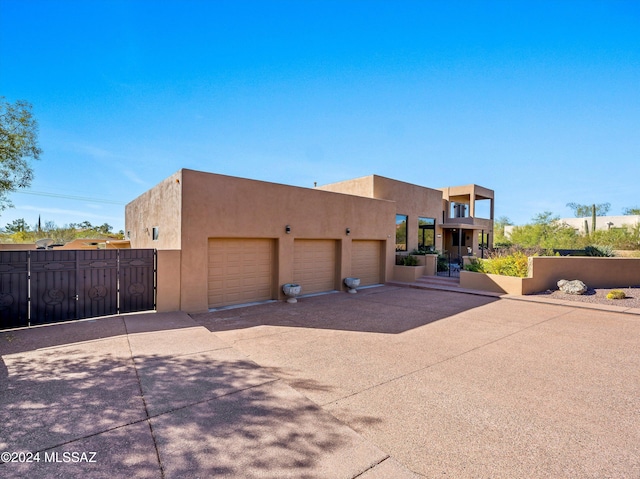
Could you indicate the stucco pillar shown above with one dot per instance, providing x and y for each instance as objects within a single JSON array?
[
  {"x": 168, "y": 287},
  {"x": 344, "y": 261},
  {"x": 284, "y": 263}
]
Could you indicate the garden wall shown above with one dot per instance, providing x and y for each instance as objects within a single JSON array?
[
  {"x": 546, "y": 271},
  {"x": 493, "y": 282}
]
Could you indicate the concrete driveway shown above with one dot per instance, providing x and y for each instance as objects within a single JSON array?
[{"x": 390, "y": 383}]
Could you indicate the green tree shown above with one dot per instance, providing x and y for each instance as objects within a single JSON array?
[
  {"x": 499, "y": 237},
  {"x": 582, "y": 211},
  {"x": 17, "y": 226},
  {"x": 635, "y": 210},
  {"x": 18, "y": 143},
  {"x": 546, "y": 231}
]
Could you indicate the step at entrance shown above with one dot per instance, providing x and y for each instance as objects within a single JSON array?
[{"x": 439, "y": 281}]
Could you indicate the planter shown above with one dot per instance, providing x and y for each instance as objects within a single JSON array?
[
  {"x": 493, "y": 282},
  {"x": 352, "y": 284},
  {"x": 291, "y": 290},
  {"x": 407, "y": 274}
]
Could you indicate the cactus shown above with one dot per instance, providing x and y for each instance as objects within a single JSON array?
[{"x": 593, "y": 219}]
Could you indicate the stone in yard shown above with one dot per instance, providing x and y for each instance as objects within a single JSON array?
[{"x": 572, "y": 287}]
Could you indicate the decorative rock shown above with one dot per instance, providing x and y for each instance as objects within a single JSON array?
[{"x": 572, "y": 287}]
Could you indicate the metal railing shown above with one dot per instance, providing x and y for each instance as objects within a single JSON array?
[{"x": 451, "y": 268}]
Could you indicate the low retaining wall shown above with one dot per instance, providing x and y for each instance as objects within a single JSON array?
[
  {"x": 493, "y": 282},
  {"x": 407, "y": 274},
  {"x": 546, "y": 271},
  {"x": 427, "y": 265}
]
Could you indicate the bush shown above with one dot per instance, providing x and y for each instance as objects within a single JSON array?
[
  {"x": 516, "y": 264},
  {"x": 599, "y": 250},
  {"x": 616, "y": 294},
  {"x": 410, "y": 260},
  {"x": 476, "y": 266}
]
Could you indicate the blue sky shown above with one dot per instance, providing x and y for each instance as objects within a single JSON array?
[{"x": 539, "y": 101}]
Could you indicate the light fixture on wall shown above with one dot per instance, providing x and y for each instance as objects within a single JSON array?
[
  {"x": 287, "y": 229},
  {"x": 348, "y": 231}
]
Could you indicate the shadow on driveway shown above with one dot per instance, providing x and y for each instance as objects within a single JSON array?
[
  {"x": 200, "y": 410},
  {"x": 387, "y": 309}
]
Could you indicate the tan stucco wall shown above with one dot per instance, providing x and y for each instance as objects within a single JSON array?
[
  {"x": 358, "y": 186},
  {"x": 546, "y": 271},
  {"x": 168, "y": 287},
  {"x": 408, "y": 274},
  {"x": 411, "y": 200},
  {"x": 218, "y": 206},
  {"x": 161, "y": 207},
  {"x": 492, "y": 282},
  {"x": 17, "y": 246},
  {"x": 414, "y": 201}
]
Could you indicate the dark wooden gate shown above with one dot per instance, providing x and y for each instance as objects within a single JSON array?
[
  {"x": 50, "y": 286},
  {"x": 14, "y": 288}
]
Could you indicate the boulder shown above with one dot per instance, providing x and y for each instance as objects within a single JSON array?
[{"x": 572, "y": 287}]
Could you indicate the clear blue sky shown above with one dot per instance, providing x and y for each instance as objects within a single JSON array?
[{"x": 539, "y": 101}]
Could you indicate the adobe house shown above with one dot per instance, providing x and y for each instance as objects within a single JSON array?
[{"x": 223, "y": 240}]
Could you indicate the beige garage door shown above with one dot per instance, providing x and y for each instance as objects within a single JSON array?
[
  {"x": 314, "y": 265},
  {"x": 365, "y": 262},
  {"x": 240, "y": 271}
]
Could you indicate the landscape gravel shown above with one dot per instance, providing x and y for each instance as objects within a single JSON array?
[{"x": 599, "y": 296}]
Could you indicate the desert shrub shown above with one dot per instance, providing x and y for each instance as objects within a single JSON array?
[
  {"x": 424, "y": 250},
  {"x": 476, "y": 266},
  {"x": 528, "y": 251},
  {"x": 599, "y": 250},
  {"x": 410, "y": 260},
  {"x": 516, "y": 264},
  {"x": 616, "y": 294}
]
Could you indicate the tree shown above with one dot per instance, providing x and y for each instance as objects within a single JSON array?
[
  {"x": 631, "y": 211},
  {"x": 546, "y": 231},
  {"x": 499, "y": 237},
  {"x": 582, "y": 211},
  {"x": 17, "y": 226},
  {"x": 18, "y": 143}
]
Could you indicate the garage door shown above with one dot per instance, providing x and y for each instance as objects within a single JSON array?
[
  {"x": 314, "y": 265},
  {"x": 240, "y": 271},
  {"x": 365, "y": 261}
]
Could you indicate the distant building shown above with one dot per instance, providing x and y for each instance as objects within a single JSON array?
[{"x": 602, "y": 222}]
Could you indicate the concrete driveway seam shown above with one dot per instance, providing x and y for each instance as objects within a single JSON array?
[{"x": 146, "y": 409}]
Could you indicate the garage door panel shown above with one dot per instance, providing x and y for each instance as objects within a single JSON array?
[
  {"x": 314, "y": 265},
  {"x": 365, "y": 261},
  {"x": 235, "y": 277}
]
